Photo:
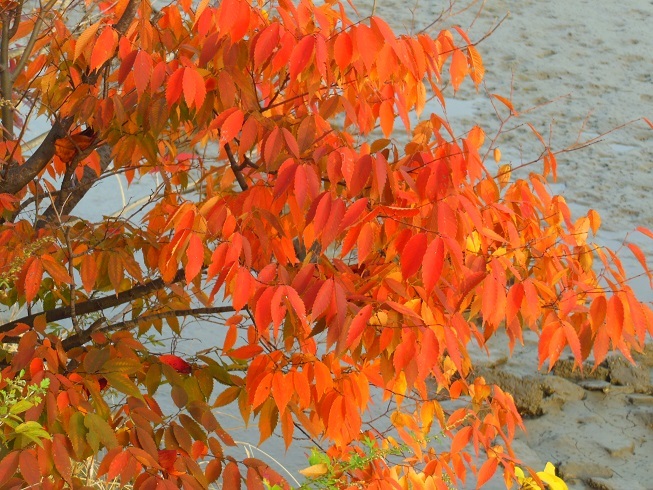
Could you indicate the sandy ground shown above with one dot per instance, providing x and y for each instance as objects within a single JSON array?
[
  {"x": 593, "y": 59},
  {"x": 580, "y": 71},
  {"x": 596, "y": 427}
]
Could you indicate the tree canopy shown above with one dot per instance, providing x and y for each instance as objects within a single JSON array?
[{"x": 341, "y": 240}]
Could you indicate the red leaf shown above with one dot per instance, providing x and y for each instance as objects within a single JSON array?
[
  {"x": 231, "y": 476},
  {"x": 104, "y": 48},
  {"x": 33, "y": 278},
  {"x": 301, "y": 56},
  {"x": 176, "y": 363},
  {"x": 29, "y": 467},
  {"x": 358, "y": 325},
  {"x": 142, "y": 71},
  {"x": 117, "y": 464},
  {"x": 174, "y": 86},
  {"x": 61, "y": 457},
  {"x": 412, "y": 255},
  {"x": 323, "y": 299},
  {"x": 353, "y": 213},
  {"x": 266, "y": 42},
  {"x": 432, "y": 264},
  {"x": 8, "y": 466}
]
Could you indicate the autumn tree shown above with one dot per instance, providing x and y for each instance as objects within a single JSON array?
[{"x": 334, "y": 260}]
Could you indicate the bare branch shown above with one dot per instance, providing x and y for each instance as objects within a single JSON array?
[
  {"x": 36, "y": 32},
  {"x": 81, "y": 338},
  {"x": 236, "y": 167},
  {"x": 69, "y": 197},
  {"x": 97, "y": 304},
  {"x": 18, "y": 176},
  {"x": 6, "y": 83}
]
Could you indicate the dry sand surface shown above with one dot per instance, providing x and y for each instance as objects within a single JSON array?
[
  {"x": 594, "y": 59},
  {"x": 588, "y": 65}
]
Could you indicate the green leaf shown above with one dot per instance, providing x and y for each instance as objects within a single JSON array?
[
  {"x": 99, "y": 431},
  {"x": 77, "y": 432},
  {"x": 123, "y": 384},
  {"x": 122, "y": 365},
  {"x": 21, "y": 406},
  {"x": 95, "y": 360}
]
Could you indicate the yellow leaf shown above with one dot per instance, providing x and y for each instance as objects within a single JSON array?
[
  {"x": 549, "y": 477},
  {"x": 497, "y": 155},
  {"x": 504, "y": 174},
  {"x": 315, "y": 471}
]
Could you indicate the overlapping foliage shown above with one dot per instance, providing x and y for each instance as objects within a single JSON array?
[{"x": 338, "y": 263}]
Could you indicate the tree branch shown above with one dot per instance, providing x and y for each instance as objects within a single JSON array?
[
  {"x": 36, "y": 32},
  {"x": 81, "y": 338},
  {"x": 94, "y": 305},
  {"x": 6, "y": 83},
  {"x": 68, "y": 198},
  {"x": 18, "y": 176},
  {"x": 236, "y": 168}
]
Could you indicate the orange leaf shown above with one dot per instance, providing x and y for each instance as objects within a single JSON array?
[
  {"x": 116, "y": 270},
  {"x": 387, "y": 117},
  {"x": 323, "y": 299},
  {"x": 193, "y": 87},
  {"x": 461, "y": 439},
  {"x": 573, "y": 341},
  {"x": 477, "y": 70},
  {"x": 343, "y": 50},
  {"x": 118, "y": 463},
  {"x": 84, "y": 39},
  {"x": 57, "y": 271},
  {"x": 174, "y": 87},
  {"x": 104, "y": 48},
  {"x": 282, "y": 391},
  {"x": 458, "y": 69},
  {"x": 505, "y": 102},
  {"x": 195, "y": 254},
  {"x": 231, "y": 126},
  {"x": 262, "y": 392},
  {"x": 486, "y": 472},
  {"x": 242, "y": 288}
]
